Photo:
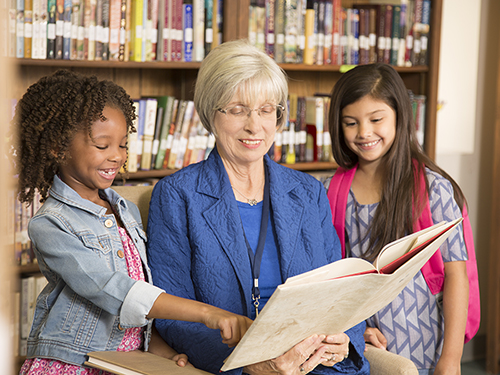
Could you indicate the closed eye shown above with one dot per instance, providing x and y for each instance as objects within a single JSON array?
[
  {"x": 349, "y": 123},
  {"x": 376, "y": 119},
  {"x": 101, "y": 147}
]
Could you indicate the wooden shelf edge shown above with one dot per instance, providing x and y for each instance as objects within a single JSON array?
[
  {"x": 160, "y": 173},
  {"x": 28, "y": 269},
  {"x": 181, "y": 65}
]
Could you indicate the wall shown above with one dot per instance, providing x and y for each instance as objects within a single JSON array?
[{"x": 472, "y": 171}]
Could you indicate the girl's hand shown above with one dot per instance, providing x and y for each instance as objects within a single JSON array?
[
  {"x": 181, "y": 359},
  {"x": 300, "y": 360},
  {"x": 375, "y": 337},
  {"x": 447, "y": 367},
  {"x": 337, "y": 349},
  {"x": 232, "y": 326}
]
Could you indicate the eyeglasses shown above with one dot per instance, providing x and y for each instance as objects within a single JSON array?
[{"x": 266, "y": 112}]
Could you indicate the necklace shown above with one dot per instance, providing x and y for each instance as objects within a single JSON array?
[{"x": 250, "y": 201}]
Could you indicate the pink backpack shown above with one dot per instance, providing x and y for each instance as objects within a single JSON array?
[{"x": 433, "y": 270}]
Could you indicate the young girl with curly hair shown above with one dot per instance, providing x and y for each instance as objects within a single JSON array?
[
  {"x": 71, "y": 141},
  {"x": 386, "y": 187}
]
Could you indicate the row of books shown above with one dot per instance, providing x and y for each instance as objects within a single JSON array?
[
  {"x": 23, "y": 212},
  {"x": 170, "y": 134},
  {"x": 322, "y": 32},
  {"x": 117, "y": 30},
  {"x": 418, "y": 103},
  {"x": 24, "y": 310}
]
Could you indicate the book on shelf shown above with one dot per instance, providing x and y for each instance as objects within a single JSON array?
[
  {"x": 209, "y": 31},
  {"x": 76, "y": 8},
  {"x": 28, "y": 27},
  {"x": 198, "y": 30},
  {"x": 327, "y": 56},
  {"x": 115, "y": 15},
  {"x": 137, "y": 362},
  {"x": 140, "y": 130},
  {"x": 396, "y": 34},
  {"x": 67, "y": 29},
  {"x": 12, "y": 41},
  {"x": 148, "y": 132},
  {"x": 309, "y": 34},
  {"x": 132, "y": 142},
  {"x": 136, "y": 31},
  {"x": 269, "y": 27},
  {"x": 260, "y": 14},
  {"x": 290, "y": 31},
  {"x": 187, "y": 29},
  {"x": 356, "y": 288},
  {"x": 279, "y": 31}
]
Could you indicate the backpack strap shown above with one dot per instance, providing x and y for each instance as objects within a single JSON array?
[{"x": 338, "y": 192}]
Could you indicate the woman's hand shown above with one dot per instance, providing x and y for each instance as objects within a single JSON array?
[
  {"x": 375, "y": 337},
  {"x": 232, "y": 326},
  {"x": 159, "y": 347},
  {"x": 337, "y": 349},
  {"x": 300, "y": 360},
  {"x": 181, "y": 360}
]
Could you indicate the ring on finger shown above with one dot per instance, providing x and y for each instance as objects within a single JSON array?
[
  {"x": 332, "y": 359},
  {"x": 347, "y": 354},
  {"x": 303, "y": 370}
]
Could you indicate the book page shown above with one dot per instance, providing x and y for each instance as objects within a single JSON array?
[{"x": 340, "y": 268}]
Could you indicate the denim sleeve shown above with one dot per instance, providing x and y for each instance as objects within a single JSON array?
[{"x": 63, "y": 255}]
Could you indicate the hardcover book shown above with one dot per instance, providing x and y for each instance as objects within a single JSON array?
[{"x": 356, "y": 289}]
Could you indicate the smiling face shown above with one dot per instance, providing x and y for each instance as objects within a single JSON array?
[
  {"x": 92, "y": 163},
  {"x": 244, "y": 140},
  {"x": 369, "y": 127}
]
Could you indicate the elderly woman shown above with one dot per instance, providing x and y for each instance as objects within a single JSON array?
[{"x": 217, "y": 226}]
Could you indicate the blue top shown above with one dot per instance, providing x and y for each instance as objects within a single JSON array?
[
  {"x": 270, "y": 272},
  {"x": 90, "y": 298},
  {"x": 197, "y": 250}
]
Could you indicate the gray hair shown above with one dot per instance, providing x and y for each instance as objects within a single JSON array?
[{"x": 238, "y": 67}]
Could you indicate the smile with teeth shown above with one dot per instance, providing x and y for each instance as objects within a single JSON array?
[
  {"x": 369, "y": 144},
  {"x": 250, "y": 142},
  {"x": 108, "y": 172}
]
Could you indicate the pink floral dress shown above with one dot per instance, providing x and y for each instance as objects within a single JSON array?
[{"x": 132, "y": 339}]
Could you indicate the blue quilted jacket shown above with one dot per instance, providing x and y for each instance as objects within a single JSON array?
[{"x": 196, "y": 249}]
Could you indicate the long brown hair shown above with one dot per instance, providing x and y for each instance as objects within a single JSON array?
[{"x": 400, "y": 205}]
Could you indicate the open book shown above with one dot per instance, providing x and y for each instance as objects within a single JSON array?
[
  {"x": 333, "y": 298},
  {"x": 137, "y": 362}
]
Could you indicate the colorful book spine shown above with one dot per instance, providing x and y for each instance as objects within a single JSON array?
[
  {"x": 28, "y": 27},
  {"x": 99, "y": 30},
  {"x": 81, "y": 32},
  {"x": 105, "y": 29},
  {"x": 42, "y": 54},
  {"x": 132, "y": 142},
  {"x": 75, "y": 20},
  {"x": 167, "y": 31},
  {"x": 337, "y": 14},
  {"x": 309, "y": 34},
  {"x": 177, "y": 8},
  {"x": 260, "y": 14},
  {"x": 381, "y": 33},
  {"x": 209, "y": 31},
  {"x": 417, "y": 43},
  {"x": 355, "y": 36},
  {"x": 187, "y": 26},
  {"x": 136, "y": 31},
  {"x": 59, "y": 29},
  {"x": 403, "y": 31},
  {"x": 67, "y": 29},
  {"x": 12, "y": 42},
  {"x": 396, "y": 34},
  {"x": 269, "y": 28},
  {"x": 364, "y": 21},
  {"x": 35, "y": 41},
  {"x": 198, "y": 30},
  {"x": 327, "y": 56},
  {"x": 279, "y": 32},
  {"x": 252, "y": 22},
  {"x": 114, "y": 29},
  {"x": 122, "y": 35},
  {"x": 320, "y": 33},
  {"x": 424, "y": 37},
  {"x": 290, "y": 46},
  {"x": 153, "y": 5},
  {"x": 51, "y": 29},
  {"x": 301, "y": 32}
]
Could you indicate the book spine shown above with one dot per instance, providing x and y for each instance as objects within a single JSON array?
[
  {"x": 98, "y": 30},
  {"x": 42, "y": 54},
  {"x": 81, "y": 32},
  {"x": 132, "y": 142},
  {"x": 122, "y": 34},
  {"x": 28, "y": 27},
  {"x": 327, "y": 56},
  {"x": 75, "y": 18},
  {"x": 128, "y": 20},
  {"x": 417, "y": 43},
  {"x": 424, "y": 38},
  {"x": 220, "y": 20},
  {"x": 403, "y": 32},
  {"x": 337, "y": 14},
  {"x": 252, "y": 22},
  {"x": 260, "y": 14},
  {"x": 269, "y": 28},
  {"x": 51, "y": 29},
  {"x": 198, "y": 30},
  {"x": 167, "y": 31},
  {"x": 177, "y": 22},
  {"x": 35, "y": 41},
  {"x": 20, "y": 29},
  {"x": 349, "y": 36},
  {"x": 184, "y": 135},
  {"x": 396, "y": 33},
  {"x": 12, "y": 28},
  {"x": 145, "y": 31},
  {"x": 343, "y": 37},
  {"x": 105, "y": 29},
  {"x": 114, "y": 29},
  {"x": 355, "y": 36},
  {"x": 409, "y": 34},
  {"x": 290, "y": 45},
  {"x": 187, "y": 26},
  {"x": 320, "y": 33},
  {"x": 140, "y": 130},
  {"x": 279, "y": 32},
  {"x": 67, "y": 29},
  {"x": 154, "y": 28},
  {"x": 301, "y": 32},
  {"x": 381, "y": 33},
  {"x": 309, "y": 34},
  {"x": 136, "y": 37},
  {"x": 149, "y": 131},
  {"x": 363, "y": 36},
  {"x": 86, "y": 26},
  {"x": 209, "y": 31}
]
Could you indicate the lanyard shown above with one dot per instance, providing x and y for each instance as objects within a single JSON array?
[{"x": 256, "y": 259}]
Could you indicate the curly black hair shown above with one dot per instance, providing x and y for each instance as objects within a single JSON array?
[{"x": 47, "y": 118}]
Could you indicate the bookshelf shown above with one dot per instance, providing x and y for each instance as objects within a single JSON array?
[{"x": 142, "y": 79}]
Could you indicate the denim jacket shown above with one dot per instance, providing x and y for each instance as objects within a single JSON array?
[{"x": 89, "y": 299}]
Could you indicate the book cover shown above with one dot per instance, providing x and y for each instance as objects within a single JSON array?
[
  {"x": 165, "y": 131},
  {"x": 20, "y": 29},
  {"x": 184, "y": 134},
  {"x": 279, "y": 32},
  {"x": 269, "y": 28},
  {"x": 187, "y": 27},
  {"x": 114, "y": 29},
  {"x": 132, "y": 142},
  {"x": 290, "y": 29},
  {"x": 137, "y": 362},
  {"x": 396, "y": 34},
  {"x": 198, "y": 30},
  {"x": 209, "y": 31},
  {"x": 75, "y": 23},
  {"x": 136, "y": 30},
  {"x": 357, "y": 289},
  {"x": 68, "y": 5},
  {"x": 149, "y": 132},
  {"x": 309, "y": 34},
  {"x": 28, "y": 27}
]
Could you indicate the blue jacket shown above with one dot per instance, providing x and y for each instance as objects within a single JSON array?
[
  {"x": 90, "y": 298},
  {"x": 197, "y": 250}
]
